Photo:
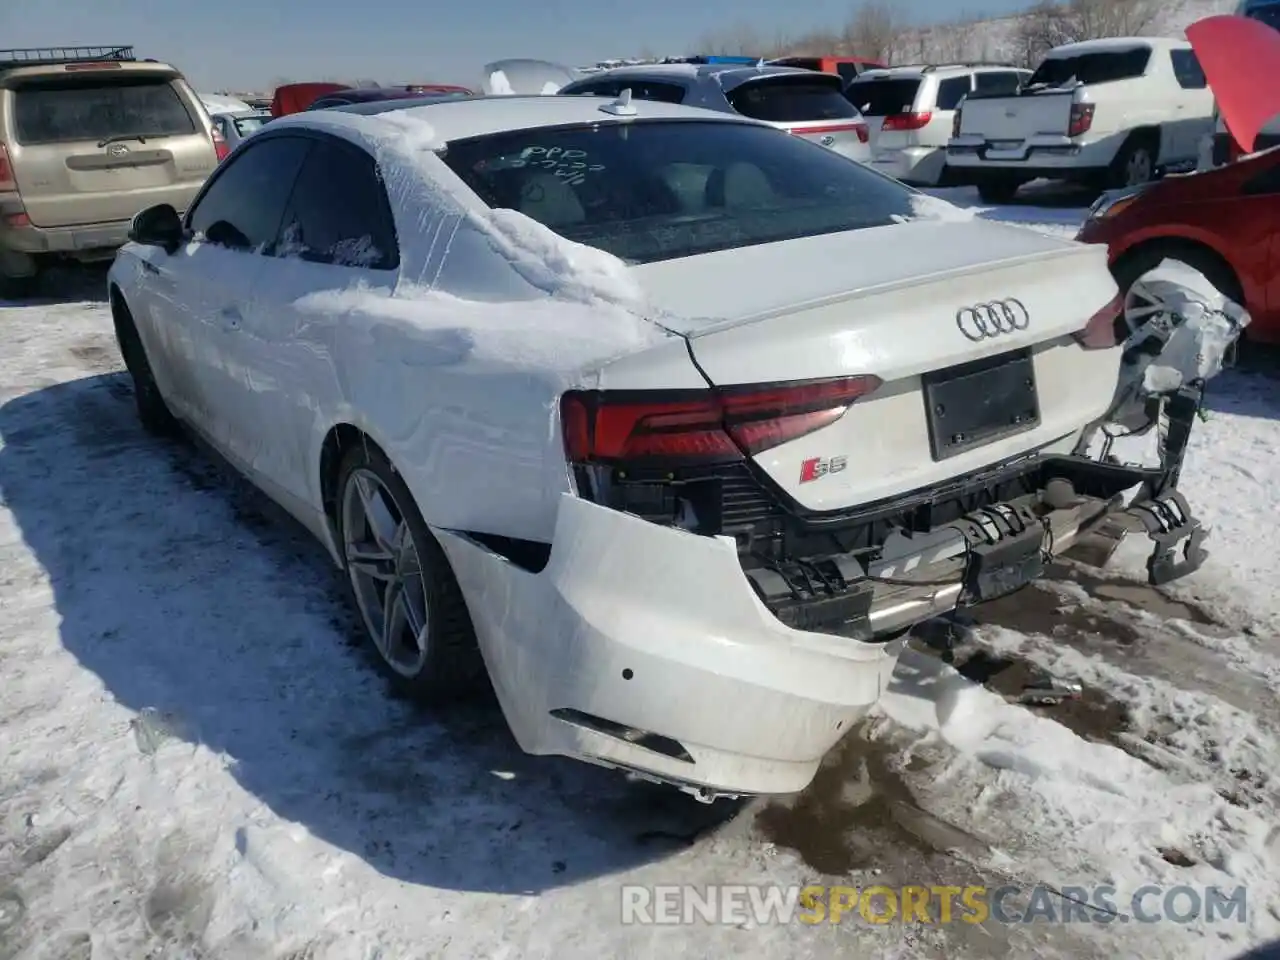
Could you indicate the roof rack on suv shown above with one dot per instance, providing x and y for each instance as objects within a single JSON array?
[
  {"x": 969, "y": 63},
  {"x": 52, "y": 56}
]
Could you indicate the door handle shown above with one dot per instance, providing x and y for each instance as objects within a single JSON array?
[
  {"x": 150, "y": 267},
  {"x": 230, "y": 317}
]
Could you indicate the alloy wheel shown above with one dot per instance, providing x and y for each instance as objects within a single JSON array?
[{"x": 385, "y": 568}]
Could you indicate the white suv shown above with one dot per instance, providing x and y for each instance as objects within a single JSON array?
[
  {"x": 1110, "y": 113},
  {"x": 909, "y": 112}
]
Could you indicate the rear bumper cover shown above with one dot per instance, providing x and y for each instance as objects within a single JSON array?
[{"x": 647, "y": 648}]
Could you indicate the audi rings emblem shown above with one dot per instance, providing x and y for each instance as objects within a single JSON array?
[{"x": 985, "y": 321}]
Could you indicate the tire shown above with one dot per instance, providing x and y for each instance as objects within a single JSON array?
[
  {"x": 19, "y": 288},
  {"x": 1134, "y": 165},
  {"x": 998, "y": 191},
  {"x": 1148, "y": 257},
  {"x": 1218, "y": 273},
  {"x": 156, "y": 417},
  {"x": 448, "y": 666}
]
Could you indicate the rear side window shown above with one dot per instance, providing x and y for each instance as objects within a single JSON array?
[
  {"x": 848, "y": 71},
  {"x": 242, "y": 207},
  {"x": 62, "y": 111},
  {"x": 1187, "y": 70},
  {"x": 348, "y": 227},
  {"x": 1268, "y": 13},
  {"x": 952, "y": 91},
  {"x": 640, "y": 90},
  {"x": 653, "y": 190},
  {"x": 792, "y": 99},
  {"x": 883, "y": 98},
  {"x": 997, "y": 83},
  {"x": 1102, "y": 67}
]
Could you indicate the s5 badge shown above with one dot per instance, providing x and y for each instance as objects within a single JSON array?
[{"x": 819, "y": 467}]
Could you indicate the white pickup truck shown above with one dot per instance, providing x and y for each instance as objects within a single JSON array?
[{"x": 1109, "y": 113}]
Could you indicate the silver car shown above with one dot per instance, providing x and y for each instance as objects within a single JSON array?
[
  {"x": 238, "y": 125},
  {"x": 809, "y": 104}
]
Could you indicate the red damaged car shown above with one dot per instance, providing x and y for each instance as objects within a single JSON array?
[{"x": 1223, "y": 222}]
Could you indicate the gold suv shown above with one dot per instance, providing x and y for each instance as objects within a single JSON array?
[{"x": 90, "y": 136}]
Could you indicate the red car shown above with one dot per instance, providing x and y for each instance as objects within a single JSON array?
[{"x": 1223, "y": 222}]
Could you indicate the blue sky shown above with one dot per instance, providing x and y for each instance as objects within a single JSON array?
[{"x": 248, "y": 43}]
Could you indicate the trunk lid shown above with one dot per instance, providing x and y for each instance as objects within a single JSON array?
[
  {"x": 1008, "y": 122},
  {"x": 98, "y": 149},
  {"x": 783, "y": 312}
]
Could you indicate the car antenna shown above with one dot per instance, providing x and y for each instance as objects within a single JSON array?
[{"x": 622, "y": 106}]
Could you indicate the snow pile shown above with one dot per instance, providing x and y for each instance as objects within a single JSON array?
[
  {"x": 1061, "y": 810},
  {"x": 499, "y": 85},
  {"x": 558, "y": 266}
]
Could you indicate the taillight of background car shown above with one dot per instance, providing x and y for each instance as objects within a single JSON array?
[
  {"x": 906, "y": 121},
  {"x": 7, "y": 182},
  {"x": 1081, "y": 119},
  {"x": 220, "y": 145}
]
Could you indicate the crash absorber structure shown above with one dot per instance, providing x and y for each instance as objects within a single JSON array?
[{"x": 1182, "y": 331}]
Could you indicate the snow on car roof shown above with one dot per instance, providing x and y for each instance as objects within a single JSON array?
[
  {"x": 463, "y": 117},
  {"x": 1116, "y": 45}
]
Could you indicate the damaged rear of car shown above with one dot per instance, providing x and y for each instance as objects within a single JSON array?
[{"x": 828, "y": 456}]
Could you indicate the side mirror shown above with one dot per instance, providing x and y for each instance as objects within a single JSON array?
[{"x": 158, "y": 226}]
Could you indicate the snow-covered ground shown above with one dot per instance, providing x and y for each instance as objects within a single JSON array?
[{"x": 195, "y": 762}]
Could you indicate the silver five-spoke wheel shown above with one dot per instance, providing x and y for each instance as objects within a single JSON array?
[{"x": 385, "y": 567}]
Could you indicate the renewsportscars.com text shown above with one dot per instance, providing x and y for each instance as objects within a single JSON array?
[{"x": 764, "y": 904}]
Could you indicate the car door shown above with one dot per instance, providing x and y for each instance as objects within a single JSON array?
[
  {"x": 233, "y": 227},
  {"x": 329, "y": 240}
]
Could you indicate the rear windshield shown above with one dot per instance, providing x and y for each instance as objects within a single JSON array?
[
  {"x": 656, "y": 190},
  {"x": 92, "y": 110},
  {"x": 1092, "y": 67},
  {"x": 792, "y": 99},
  {"x": 1268, "y": 13},
  {"x": 804, "y": 63},
  {"x": 248, "y": 125},
  {"x": 883, "y": 98}
]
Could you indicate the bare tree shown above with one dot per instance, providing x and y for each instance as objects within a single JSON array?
[
  {"x": 1111, "y": 18},
  {"x": 872, "y": 31},
  {"x": 1043, "y": 27}
]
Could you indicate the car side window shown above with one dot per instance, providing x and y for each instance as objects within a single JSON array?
[
  {"x": 350, "y": 226},
  {"x": 242, "y": 206},
  {"x": 1186, "y": 68},
  {"x": 996, "y": 82},
  {"x": 952, "y": 91},
  {"x": 848, "y": 71}
]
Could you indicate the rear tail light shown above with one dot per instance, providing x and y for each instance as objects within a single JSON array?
[
  {"x": 854, "y": 126},
  {"x": 7, "y": 182},
  {"x": 955, "y": 123},
  {"x": 906, "y": 121},
  {"x": 18, "y": 219},
  {"x": 1106, "y": 328},
  {"x": 700, "y": 426},
  {"x": 1081, "y": 119},
  {"x": 220, "y": 146}
]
